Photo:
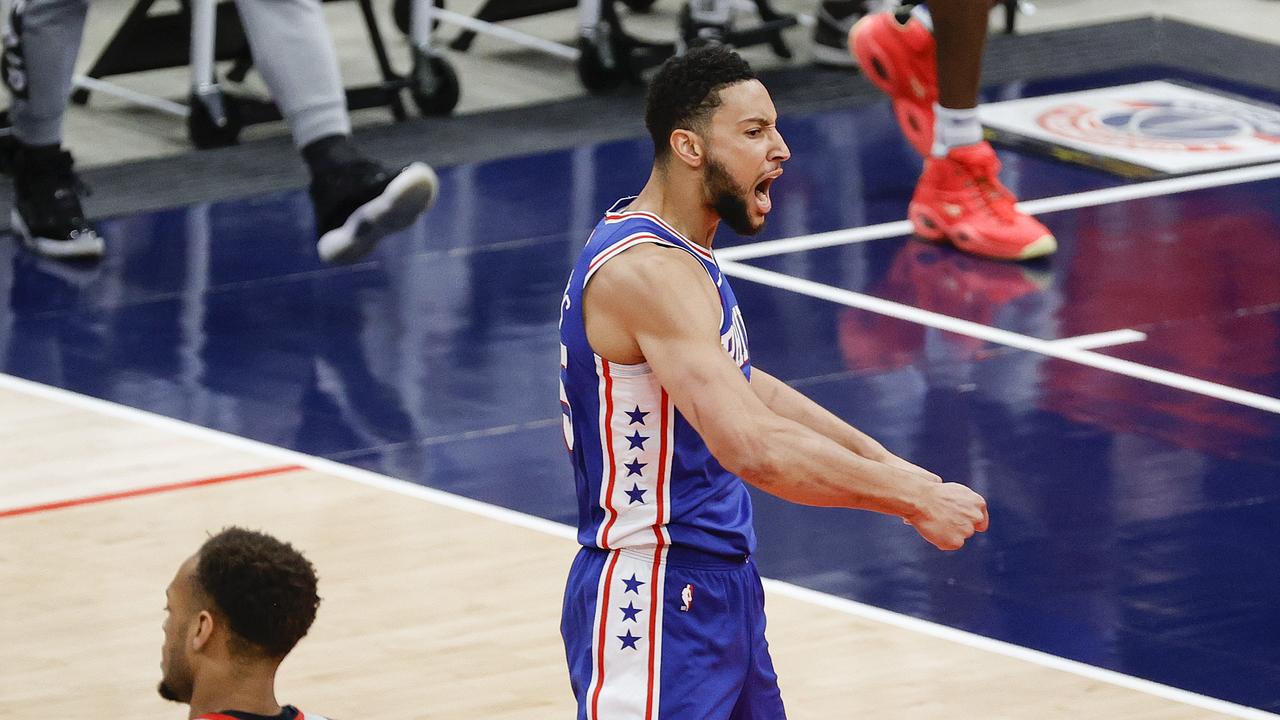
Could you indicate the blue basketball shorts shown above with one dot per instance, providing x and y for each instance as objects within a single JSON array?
[{"x": 667, "y": 634}]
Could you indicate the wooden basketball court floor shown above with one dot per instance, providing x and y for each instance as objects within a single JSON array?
[{"x": 434, "y": 606}]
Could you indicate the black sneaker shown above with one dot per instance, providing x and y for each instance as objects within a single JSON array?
[
  {"x": 360, "y": 202},
  {"x": 831, "y": 28},
  {"x": 46, "y": 215}
]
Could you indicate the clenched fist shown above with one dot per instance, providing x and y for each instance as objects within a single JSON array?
[{"x": 950, "y": 514}]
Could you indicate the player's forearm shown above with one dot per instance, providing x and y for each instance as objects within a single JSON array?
[
  {"x": 798, "y": 464},
  {"x": 794, "y": 405}
]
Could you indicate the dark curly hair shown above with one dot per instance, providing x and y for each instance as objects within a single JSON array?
[
  {"x": 264, "y": 588},
  {"x": 686, "y": 91}
]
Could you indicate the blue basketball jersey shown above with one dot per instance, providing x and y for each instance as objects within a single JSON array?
[{"x": 644, "y": 475}]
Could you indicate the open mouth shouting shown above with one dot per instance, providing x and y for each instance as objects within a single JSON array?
[{"x": 763, "y": 202}]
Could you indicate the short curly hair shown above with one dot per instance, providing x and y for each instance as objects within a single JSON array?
[
  {"x": 686, "y": 91},
  {"x": 264, "y": 588}
]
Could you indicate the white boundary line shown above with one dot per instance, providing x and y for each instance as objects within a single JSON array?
[
  {"x": 1052, "y": 348},
  {"x": 849, "y": 236},
  {"x": 1102, "y": 339},
  {"x": 565, "y": 532},
  {"x": 284, "y": 456},
  {"x": 999, "y": 647},
  {"x": 1071, "y": 201}
]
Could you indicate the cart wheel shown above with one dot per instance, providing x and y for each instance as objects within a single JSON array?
[
  {"x": 435, "y": 87},
  {"x": 600, "y": 64},
  {"x": 402, "y": 13},
  {"x": 204, "y": 132}
]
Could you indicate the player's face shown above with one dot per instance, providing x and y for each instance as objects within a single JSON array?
[
  {"x": 745, "y": 153},
  {"x": 176, "y": 677}
]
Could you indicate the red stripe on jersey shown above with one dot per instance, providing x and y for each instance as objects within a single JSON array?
[
  {"x": 663, "y": 223},
  {"x": 612, "y": 252},
  {"x": 613, "y": 467},
  {"x": 660, "y": 520},
  {"x": 604, "y": 620},
  {"x": 654, "y": 598}
]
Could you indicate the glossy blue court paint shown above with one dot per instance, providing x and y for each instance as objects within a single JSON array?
[{"x": 1133, "y": 525}]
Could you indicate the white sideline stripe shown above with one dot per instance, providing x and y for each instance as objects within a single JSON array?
[
  {"x": 1102, "y": 339},
  {"x": 290, "y": 457},
  {"x": 1041, "y": 206},
  {"x": 1052, "y": 348},
  {"x": 801, "y": 243},
  {"x": 999, "y": 647},
  {"x": 565, "y": 532}
]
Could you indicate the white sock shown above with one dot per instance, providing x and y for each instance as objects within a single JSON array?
[
  {"x": 954, "y": 128},
  {"x": 921, "y": 13}
]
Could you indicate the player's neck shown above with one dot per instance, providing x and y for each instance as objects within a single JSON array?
[
  {"x": 251, "y": 692},
  {"x": 677, "y": 199}
]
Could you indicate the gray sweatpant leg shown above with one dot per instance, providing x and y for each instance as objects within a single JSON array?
[
  {"x": 289, "y": 39},
  {"x": 294, "y": 53},
  {"x": 41, "y": 41}
]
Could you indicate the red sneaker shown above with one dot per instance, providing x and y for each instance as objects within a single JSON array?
[
  {"x": 902, "y": 61},
  {"x": 960, "y": 199}
]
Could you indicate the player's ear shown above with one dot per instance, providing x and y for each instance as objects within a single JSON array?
[
  {"x": 687, "y": 147},
  {"x": 203, "y": 630}
]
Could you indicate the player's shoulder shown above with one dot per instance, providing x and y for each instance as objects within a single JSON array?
[
  {"x": 654, "y": 284},
  {"x": 651, "y": 268},
  {"x": 609, "y": 236}
]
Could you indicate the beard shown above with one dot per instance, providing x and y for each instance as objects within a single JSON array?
[
  {"x": 729, "y": 200},
  {"x": 167, "y": 692},
  {"x": 176, "y": 682}
]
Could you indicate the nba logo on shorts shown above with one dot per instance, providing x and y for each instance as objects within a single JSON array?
[{"x": 686, "y": 598}]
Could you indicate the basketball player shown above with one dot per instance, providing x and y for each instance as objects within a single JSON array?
[
  {"x": 929, "y": 61},
  {"x": 665, "y": 418},
  {"x": 233, "y": 612},
  {"x": 356, "y": 200}
]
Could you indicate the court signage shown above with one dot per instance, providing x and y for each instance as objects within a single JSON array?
[{"x": 1144, "y": 129}]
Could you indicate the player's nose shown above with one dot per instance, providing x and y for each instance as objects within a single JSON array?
[{"x": 780, "y": 152}]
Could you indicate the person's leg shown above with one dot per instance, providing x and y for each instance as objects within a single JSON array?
[
  {"x": 579, "y": 620},
  {"x": 40, "y": 47},
  {"x": 929, "y": 61},
  {"x": 293, "y": 51},
  {"x": 709, "y": 645},
  {"x": 960, "y": 30},
  {"x": 761, "y": 699},
  {"x": 648, "y": 637},
  {"x": 357, "y": 201},
  {"x": 962, "y": 170},
  {"x": 41, "y": 43}
]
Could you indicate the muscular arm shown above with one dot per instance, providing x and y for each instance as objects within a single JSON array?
[
  {"x": 676, "y": 331},
  {"x": 794, "y": 405}
]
